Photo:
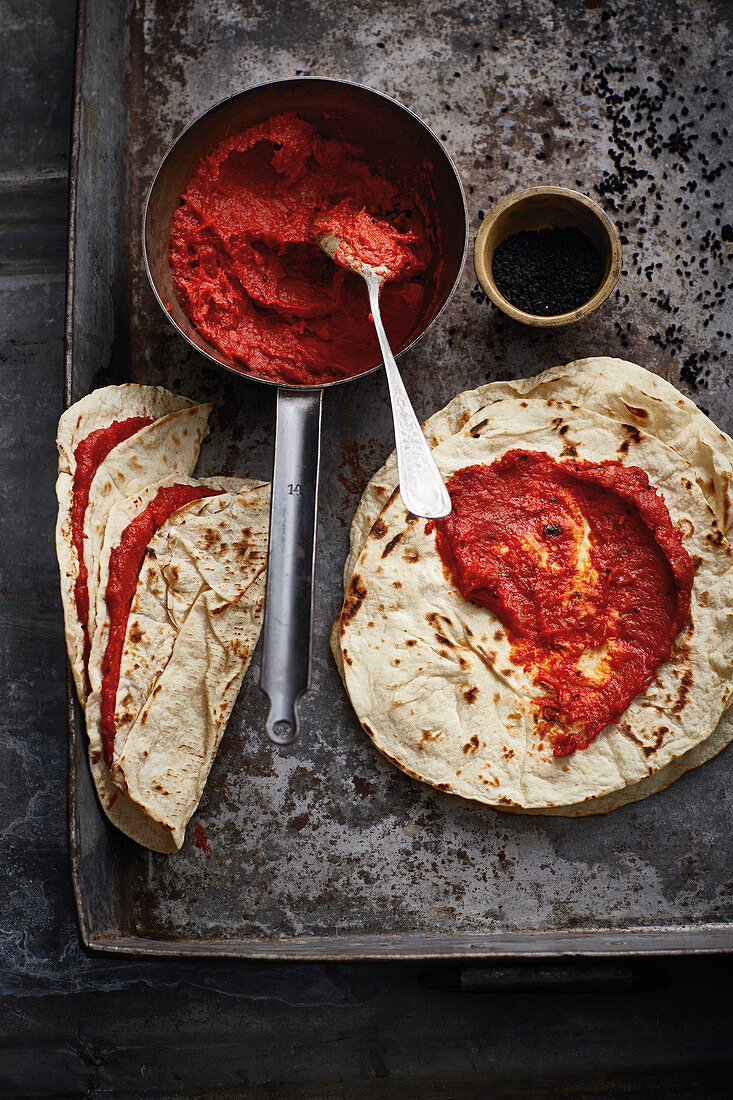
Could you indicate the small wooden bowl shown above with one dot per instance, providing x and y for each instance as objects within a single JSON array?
[{"x": 542, "y": 208}]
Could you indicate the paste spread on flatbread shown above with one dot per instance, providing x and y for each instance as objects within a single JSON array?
[
  {"x": 585, "y": 569},
  {"x": 88, "y": 456},
  {"x": 249, "y": 274},
  {"x": 124, "y": 569}
]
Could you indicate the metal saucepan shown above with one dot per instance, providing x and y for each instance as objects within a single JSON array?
[{"x": 391, "y": 138}]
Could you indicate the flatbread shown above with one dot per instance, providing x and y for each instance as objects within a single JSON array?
[
  {"x": 613, "y": 387},
  {"x": 410, "y": 699},
  {"x": 194, "y": 623},
  {"x": 170, "y": 445},
  {"x": 628, "y": 393}
]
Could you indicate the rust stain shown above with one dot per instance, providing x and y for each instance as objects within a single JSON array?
[{"x": 357, "y": 462}]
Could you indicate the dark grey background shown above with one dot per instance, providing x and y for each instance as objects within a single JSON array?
[{"x": 76, "y": 1025}]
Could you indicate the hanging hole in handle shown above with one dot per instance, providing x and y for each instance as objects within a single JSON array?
[{"x": 282, "y": 732}]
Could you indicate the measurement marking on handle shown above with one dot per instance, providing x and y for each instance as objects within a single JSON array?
[{"x": 295, "y": 490}]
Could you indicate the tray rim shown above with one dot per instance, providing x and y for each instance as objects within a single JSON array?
[
  {"x": 657, "y": 940},
  {"x": 73, "y": 740},
  {"x": 404, "y": 947}
]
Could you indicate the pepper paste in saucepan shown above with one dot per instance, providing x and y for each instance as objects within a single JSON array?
[
  {"x": 249, "y": 274},
  {"x": 585, "y": 569}
]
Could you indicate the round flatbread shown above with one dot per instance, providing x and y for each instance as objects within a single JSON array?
[
  {"x": 458, "y": 716},
  {"x": 630, "y": 394}
]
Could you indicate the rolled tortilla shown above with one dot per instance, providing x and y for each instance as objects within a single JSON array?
[{"x": 169, "y": 445}]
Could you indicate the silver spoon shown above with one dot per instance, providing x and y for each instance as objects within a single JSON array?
[{"x": 422, "y": 487}]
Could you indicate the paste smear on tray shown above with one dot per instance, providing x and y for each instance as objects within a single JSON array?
[
  {"x": 585, "y": 569},
  {"x": 249, "y": 274}
]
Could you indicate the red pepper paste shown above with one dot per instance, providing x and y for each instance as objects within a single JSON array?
[
  {"x": 89, "y": 454},
  {"x": 125, "y": 562},
  {"x": 368, "y": 240},
  {"x": 201, "y": 840},
  {"x": 585, "y": 569},
  {"x": 250, "y": 276}
]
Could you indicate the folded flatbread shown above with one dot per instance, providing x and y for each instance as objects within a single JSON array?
[
  {"x": 640, "y": 398},
  {"x": 169, "y": 444},
  {"x": 193, "y": 626}
]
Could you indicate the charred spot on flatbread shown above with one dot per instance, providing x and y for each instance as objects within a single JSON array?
[
  {"x": 684, "y": 690},
  {"x": 659, "y": 735},
  {"x": 391, "y": 544},
  {"x": 392, "y": 497},
  {"x": 354, "y": 599}
]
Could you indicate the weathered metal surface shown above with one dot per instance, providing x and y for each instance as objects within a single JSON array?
[{"x": 325, "y": 849}]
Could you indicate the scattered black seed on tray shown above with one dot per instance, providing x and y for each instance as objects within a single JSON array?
[
  {"x": 547, "y": 271},
  {"x": 652, "y": 122}
]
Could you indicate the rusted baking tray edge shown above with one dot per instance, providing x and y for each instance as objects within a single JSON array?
[
  {"x": 72, "y": 747},
  {"x": 100, "y": 935},
  {"x": 647, "y": 941}
]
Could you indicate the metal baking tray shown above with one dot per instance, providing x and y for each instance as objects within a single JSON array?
[{"x": 324, "y": 850}]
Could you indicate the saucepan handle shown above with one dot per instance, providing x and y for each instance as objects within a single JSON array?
[{"x": 288, "y": 632}]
